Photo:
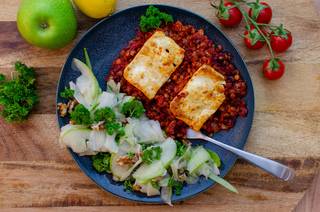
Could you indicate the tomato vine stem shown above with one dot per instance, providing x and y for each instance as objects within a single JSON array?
[{"x": 247, "y": 17}]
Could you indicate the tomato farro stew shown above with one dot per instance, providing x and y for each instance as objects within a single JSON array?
[{"x": 199, "y": 50}]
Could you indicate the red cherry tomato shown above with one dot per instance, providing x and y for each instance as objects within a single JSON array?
[
  {"x": 280, "y": 43},
  {"x": 235, "y": 16},
  {"x": 273, "y": 69},
  {"x": 254, "y": 37},
  {"x": 261, "y": 14}
]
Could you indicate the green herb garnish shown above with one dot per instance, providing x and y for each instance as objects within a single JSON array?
[
  {"x": 155, "y": 184},
  {"x": 105, "y": 114},
  {"x": 110, "y": 128},
  {"x": 81, "y": 115},
  {"x": 19, "y": 95},
  {"x": 128, "y": 185},
  {"x": 101, "y": 161},
  {"x": 181, "y": 148},
  {"x": 178, "y": 187},
  {"x": 151, "y": 154},
  {"x": 133, "y": 108},
  {"x": 68, "y": 93},
  {"x": 154, "y": 19}
]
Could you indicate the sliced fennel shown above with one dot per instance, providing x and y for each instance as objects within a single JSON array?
[
  {"x": 168, "y": 172},
  {"x": 87, "y": 87},
  {"x": 223, "y": 182}
]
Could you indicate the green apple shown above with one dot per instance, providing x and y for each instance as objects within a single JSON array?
[{"x": 48, "y": 24}]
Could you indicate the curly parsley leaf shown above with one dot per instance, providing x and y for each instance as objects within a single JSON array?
[
  {"x": 181, "y": 148},
  {"x": 19, "y": 95},
  {"x": 178, "y": 186},
  {"x": 101, "y": 161},
  {"x": 81, "y": 115},
  {"x": 105, "y": 114},
  {"x": 133, "y": 108},
  {"x": 128, "y": 185},
  {"x": 154, "y": 19},
  {"x": 68, "y": 93},
  {"x": 149, "y": 155},
  {"x": 110, "y": 128}
]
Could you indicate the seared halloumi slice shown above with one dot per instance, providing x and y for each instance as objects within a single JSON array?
[
  {"x": 200, "y": 98},
  {"x": 153, "y": 65}
]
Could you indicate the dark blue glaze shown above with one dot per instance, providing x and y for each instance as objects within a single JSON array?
[{"x": 105, "y": 41}]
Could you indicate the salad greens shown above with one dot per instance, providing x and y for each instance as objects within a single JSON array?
[
  {"x": 153, "y": 19},
  {"x": 18, "y": 95},
  {"x": 132, "y": 147}
]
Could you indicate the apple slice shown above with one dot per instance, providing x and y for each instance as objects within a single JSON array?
[
  {"x": 87, "y": 84},
  {"x": 169, "y": 150},
  {"x": 146, "y": 172},
  {"x": 76, "y": 139},
  {"x": 198, "y": 157},
  {"x": 117, "y": 170}
]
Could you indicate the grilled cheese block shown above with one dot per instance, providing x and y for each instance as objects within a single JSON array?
[
  {"x": 153, "y": 65},
  {"x": 200, "y": 98}
]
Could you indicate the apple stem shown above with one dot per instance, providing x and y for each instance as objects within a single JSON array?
[{"x": 44, "y": 25}]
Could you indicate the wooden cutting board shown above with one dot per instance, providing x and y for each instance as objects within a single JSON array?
[{"x": 35, "y": 173}]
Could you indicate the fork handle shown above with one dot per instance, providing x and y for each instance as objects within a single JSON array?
[{"x": 281, "y": 171}]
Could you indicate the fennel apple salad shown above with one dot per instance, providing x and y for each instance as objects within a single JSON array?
[{"x": 112, "y": 127}]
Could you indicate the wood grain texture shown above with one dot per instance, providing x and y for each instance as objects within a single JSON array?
[{"x": 36, "y": 174}]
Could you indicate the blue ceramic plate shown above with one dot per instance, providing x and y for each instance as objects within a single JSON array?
[{"x": 104, "y": 43}]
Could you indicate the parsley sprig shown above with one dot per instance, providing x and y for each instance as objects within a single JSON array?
[
  {"x": 153, "y": 19},
  {"x": 19, "y": 95},
  {"x": 101, "y": 161},
  {"x": 68, "y": 93},
  {"x": 149, "y": 155},
  {"x": 81, "y": 115},
  {"x": 133, "y": 108}
]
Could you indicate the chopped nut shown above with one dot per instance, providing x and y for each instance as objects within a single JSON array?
[
  {"x": 186, "y": 142},
  {"x": 124, "y": 160},
  {"x": 136, "y": 188},
  {"x": 62, "y": 108},
  {"x": 182, "y": 176},
  {"x": 72, "y": 122},
  {"x": 99, "y": 126},
  {"x": 72, "y": 104}
]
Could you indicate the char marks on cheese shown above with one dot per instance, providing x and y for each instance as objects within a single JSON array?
[
  {"x": 153, "y": 65},
  {"x": 200, "y": 98}
]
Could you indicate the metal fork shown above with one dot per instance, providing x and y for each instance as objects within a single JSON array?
[{"x": 281, "y": 171}]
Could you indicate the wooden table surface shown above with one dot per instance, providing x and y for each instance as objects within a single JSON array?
[{"x": 36, "y": 174}]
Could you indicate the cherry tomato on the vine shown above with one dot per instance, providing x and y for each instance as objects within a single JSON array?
[
  {"x": 281, "y": 42},
  {"x": 253, "y": 39},
  {"x": 273, "y": 69},
  {"x": 261, "y": 13},
  {"x": 235, "y": 16}
]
